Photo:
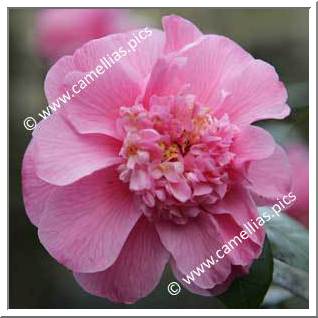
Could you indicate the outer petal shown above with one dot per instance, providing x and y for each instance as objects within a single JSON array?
[
  {"x": 35, "y": 191},
  {"x": 228, "y": 218},
  {"x": 298, "y": 158},
  {"x": 64, "y": 156},
  {"x": 137, "y": 270},
  {"x": 179, "y": 32},
  {"x": 95, "y": 108},
  {"x": 193, "y": 243},
  {"x": 192, "y": 287},
  {"x": 86, "y": 224},
  {"x": 247, "y": 250},
  {"x": 236, "y": 271},
  {"x": 253, "y": 143},
  {"x": 136, "y": 65},
  {"x": 271, "y": 177},
  {"x": 204, "y": 67},
  {"x": 53, "y": 85},
  {"x": 139, "y": 60},
  {"x": 239, "y": 204},
  {"x": 254, "y": 94}
]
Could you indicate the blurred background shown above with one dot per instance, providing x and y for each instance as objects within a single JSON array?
[{"x": 37, "y": 38}]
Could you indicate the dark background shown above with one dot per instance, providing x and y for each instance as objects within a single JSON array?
[{"x": 278, "y": 36}]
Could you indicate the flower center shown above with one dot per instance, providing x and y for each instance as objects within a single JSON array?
[{"x": 177, "y": 156}]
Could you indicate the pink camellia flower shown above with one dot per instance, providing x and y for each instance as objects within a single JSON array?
[
  {"x": 156, "y": 162},
  {"x": 61, "y": 31},
  {"x": 299, "y": 160}
]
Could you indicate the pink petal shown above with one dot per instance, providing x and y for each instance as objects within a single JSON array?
[
  {"x": 192, "y": 287},
  {"x": 202, "y": 189},
  {"x": 173, "y": 171},
  {"x": 164, "y": 79},
  {"x": 254, "y": 94},
  {"x": 219, "y": 289},
  {"x": 179, "y": 32},
  {"x": 180, "y": 190},
  {"x": 137, "y": 270},
  {"x": 247, "y": 251},
  {"x": 299, "y": 159},
  {"x": 240, "y": 205},
  {"x": 140, "y": 61},
  {"x": 53, "y": 85},
  {"x": 64, "y": 156},
  {"x": 86, "y": 224},
  {"x": 253, "y": 143},
  {"x": 227, "y": 220},
  {"x": 35, "y": 191},
  {"x": 271, "y": 177},
  {"x": 148, "y": 136},
  {"x": 139, "y": 180},
  {"x": 96, "y": 107},
  {"x": 193, "y": 243},
  {"x": 204, "y": 67}
]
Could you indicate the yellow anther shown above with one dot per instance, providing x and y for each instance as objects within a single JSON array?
[
  {"x": 162, "y": 145},
  {"x": 171, "y": 152}
]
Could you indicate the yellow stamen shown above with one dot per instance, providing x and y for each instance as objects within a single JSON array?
[
  {"x": 171, "y": 152},
  {"x": 162, "y": 145}
]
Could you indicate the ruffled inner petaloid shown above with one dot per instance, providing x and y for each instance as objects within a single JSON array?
[{"x": 177, "y": 156}]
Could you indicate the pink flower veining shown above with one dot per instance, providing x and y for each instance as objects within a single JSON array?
[{"x": 156, "y": 162}]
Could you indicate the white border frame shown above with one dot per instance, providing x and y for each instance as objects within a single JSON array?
[{"x": 4, "y": 5}]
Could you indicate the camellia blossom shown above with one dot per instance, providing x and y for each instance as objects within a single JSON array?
[
  {"x": 157, "y": 162},
  {"x": 61, "y": 31},
  {"x": 299, "y": 160}
]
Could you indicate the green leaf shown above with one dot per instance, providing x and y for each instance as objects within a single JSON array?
[
  {"x": 289, "y": 240},
  {"x": 290, "y": 247},
  {"x": 248, "y": 291},
  {"x": 293, "y": 279}
]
